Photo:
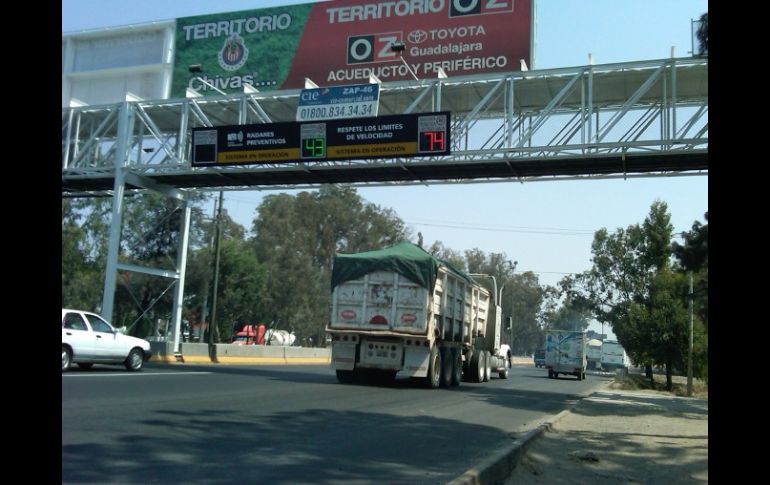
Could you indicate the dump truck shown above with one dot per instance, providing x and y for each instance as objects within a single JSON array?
[
  {"x": 400, "y": 310},
  {"x": 565, "y": 353}
]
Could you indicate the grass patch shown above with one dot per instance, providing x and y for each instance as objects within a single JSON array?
[{"x": 639, "y": 382}]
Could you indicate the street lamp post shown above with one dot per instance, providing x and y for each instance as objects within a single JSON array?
[{"x": 513, "y": 270}]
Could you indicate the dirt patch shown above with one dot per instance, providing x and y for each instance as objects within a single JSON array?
[
  {"x": 626, "y": 433},
  {"x": 639, "y": 382}
]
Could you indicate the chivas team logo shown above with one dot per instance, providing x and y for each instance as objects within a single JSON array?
[{"x": 233, "y": 54}]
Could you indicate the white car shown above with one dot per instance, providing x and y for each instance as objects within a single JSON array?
[{"x": 87, "y": 339}]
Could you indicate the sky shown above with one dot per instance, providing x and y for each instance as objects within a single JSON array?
[{"x": 546, "y": 226}]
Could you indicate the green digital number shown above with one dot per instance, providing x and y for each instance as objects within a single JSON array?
[{"x": 314, "y": 148}]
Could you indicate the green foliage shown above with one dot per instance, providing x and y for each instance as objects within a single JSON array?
[
  {"x": 82, "y": 275},
  {"x": 296, "y": 238},
  {"x": 149, "y": 238},
  {"x": 573, "y": 314},
  {"x": 449, "y": 255},
  {"x": 703, "y": 34},
  {"x": 693, "y": 257},
  {"x": 633, "y": 287},
  {"x": 522, "y": 299}
]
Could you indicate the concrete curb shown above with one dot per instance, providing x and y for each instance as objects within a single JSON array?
[{"x": 500, "y": 465}]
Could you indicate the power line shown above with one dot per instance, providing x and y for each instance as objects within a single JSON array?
[
  {"x": 519, "y": 229},
  {"x": 498, "y": 228}
]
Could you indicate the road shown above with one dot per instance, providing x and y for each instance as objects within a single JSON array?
[{"x": 291, "y": 424}]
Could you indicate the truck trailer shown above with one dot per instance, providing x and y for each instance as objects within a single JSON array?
[
  {"x": 565, "y": 353},
  {"x": 400, "y": 310}
]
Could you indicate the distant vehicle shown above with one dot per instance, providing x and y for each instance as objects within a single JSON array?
[
  {"x": 280, "y": 337},
  {"x": 258, "y": 335},
  {"x": 565, "y": 353},
  {"x": 87, "y": 339},
  {"x": 539, "y": 358},
  {"x": 594, "y": 353},
  {"x": 614, "y": 356},
  {"x": 250, "y": 335}
]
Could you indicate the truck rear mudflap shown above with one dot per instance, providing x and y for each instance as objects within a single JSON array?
[{"x": 344, "y": 355}]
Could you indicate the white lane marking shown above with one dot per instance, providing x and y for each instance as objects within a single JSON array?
[{"x": 135, "y": 374}]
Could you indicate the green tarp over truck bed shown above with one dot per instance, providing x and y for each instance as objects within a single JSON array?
[{"x": 406, "y": 259}]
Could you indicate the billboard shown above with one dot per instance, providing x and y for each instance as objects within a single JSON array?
[
  {"x": 405, "y": 135},
  {"x": 345, "y": 41}
]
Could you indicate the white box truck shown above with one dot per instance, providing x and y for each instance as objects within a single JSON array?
[
  {"x": 594, "y": 354},
  {"x": 400, "y": 310},
  {"x": 614, "y": 356},
  {"x": 565, "y": 353}
]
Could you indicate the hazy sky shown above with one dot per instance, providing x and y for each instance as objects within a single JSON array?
[{"x": 546, "y": 226}]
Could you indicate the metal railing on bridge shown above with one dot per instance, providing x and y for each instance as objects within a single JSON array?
[{"x": 643, "y": 118}]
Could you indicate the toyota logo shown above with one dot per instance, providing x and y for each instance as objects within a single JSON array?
[{"x": 417, "y": 36}]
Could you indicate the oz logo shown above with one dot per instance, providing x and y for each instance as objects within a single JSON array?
[
  {"x": 372, "y": 47},
  {"x": 460, "y": 8}
]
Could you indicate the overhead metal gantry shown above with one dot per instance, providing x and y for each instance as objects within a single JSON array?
[{"x": 646, "y": 118}]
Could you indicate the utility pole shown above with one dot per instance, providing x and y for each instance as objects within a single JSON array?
[
  {"x": 206, "y": 285},
  {"x": 213, "y": 322},
  {"x": 689, "y": 350},
  {"x": 513, "y": 270}
]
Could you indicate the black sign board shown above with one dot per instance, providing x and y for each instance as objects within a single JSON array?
[{"x": 410, "y": 135}]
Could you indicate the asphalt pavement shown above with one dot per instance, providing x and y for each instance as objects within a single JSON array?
[{"x": 604, "y": 436}]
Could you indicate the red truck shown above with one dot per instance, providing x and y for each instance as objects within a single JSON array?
[{"x": 250, "y": 335}]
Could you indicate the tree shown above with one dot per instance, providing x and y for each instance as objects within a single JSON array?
[
  {"x": 574, "y": 313},
  {"x": 632, "y": 287},
  {"x": 524, "y": 292},
  {"x": 693, "y": 257},
  {"x": 522, "y": 297},
  {"x": 296, "y": 238},
  {"x": 81, "y": 276},
  {"x": 151, "y": 226},
  {"x": 241, "y": 281},
  {"x": 703, "y": 34}
]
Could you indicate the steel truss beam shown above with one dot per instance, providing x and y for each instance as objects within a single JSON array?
[{"x": 531, "y": 122}]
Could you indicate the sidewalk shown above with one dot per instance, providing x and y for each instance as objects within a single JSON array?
[{"x": 618, "y": 436}]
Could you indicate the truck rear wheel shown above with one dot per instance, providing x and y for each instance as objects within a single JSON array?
[
  {"x": 433, "y": 380},
  {"x": 504, "y": 373},
  {"x": 467, "y": 365},
  {"x": 447, "y": 364},
  {"x": 345, "y": 376},
  {"x": 477, "y": 366},
  {"x": 487, "y": 366},
  {"x": 457, "y": 368}
]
